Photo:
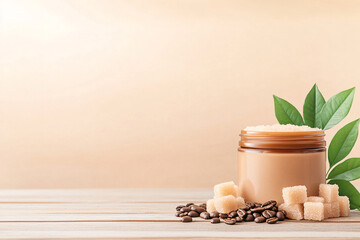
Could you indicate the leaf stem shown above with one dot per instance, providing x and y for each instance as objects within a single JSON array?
[{"x": 327, "y": 173}]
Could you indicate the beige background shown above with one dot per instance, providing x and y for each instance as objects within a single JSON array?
[{"x": 154, "y": 93}]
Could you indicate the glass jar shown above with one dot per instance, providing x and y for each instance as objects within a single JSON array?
[{"x": 269, "y": 161}]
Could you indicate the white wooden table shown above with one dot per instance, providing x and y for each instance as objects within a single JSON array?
[{"x": 139, "y": 213}]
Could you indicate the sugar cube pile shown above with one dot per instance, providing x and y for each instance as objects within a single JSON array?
[
  {"x": 317, "y": 208},
  {"x": 297, "y": 204},
  {"x": 226, "y": 198},
  {"x": 330, "y": 193}
]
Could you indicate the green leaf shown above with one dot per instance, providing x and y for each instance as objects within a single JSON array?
[
  {"x": 347, "y": 189},
  {"x": 336, "y": 108},
  {"x": 343, "y": 141},
  {"x": 313, "y": 104},
  {"x": 286, "y": 113},
  {"x": 348, "y": 170}
]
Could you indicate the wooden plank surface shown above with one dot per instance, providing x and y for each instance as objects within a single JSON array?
[{"x": 141, "y": 214}]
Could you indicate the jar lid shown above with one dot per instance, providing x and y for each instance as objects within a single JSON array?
[{"x": 282, "y": 140}]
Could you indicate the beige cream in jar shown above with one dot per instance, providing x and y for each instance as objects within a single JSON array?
[{"x": 277, "y": 156}]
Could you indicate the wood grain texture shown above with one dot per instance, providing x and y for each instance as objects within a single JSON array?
[{"x": 139, "y": 214}]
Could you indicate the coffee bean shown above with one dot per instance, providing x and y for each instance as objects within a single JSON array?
[
  {"x": 223, "y": 215},
  {"x": 271, "y": 202},
  {"x": 249, "y": 218},
  {"x": 256, "y": 214},
  {"x": 272, "y": 213},
  {"x": 214, "y": 215},
  {"x": 268, "y": 214},
  {"x": 200, "y": 209},
  {"x": 258, "y": 209},
  {"x": 280, "y": 216},
  {"x": 233, "y": 214},
  {"x": 260, "y": 220},
  {"x": 241, "y": 212},
  {"x": 197, "y": 209},
  {"x": 275, "y": 209},
  {"x": 215, "y": 220},
  {"x": 186, "y": 219},
  {"x": 239, "y": 219},
  {"x": 268, "y": 207},
  {"x": 229, "y": 221},
  {"x": 185, "y": 209},
  {"x": 272, "y": 220},
  {"x": 205, "y": 215},
  {"x": 193, "y": 214},
  {"x": 189, "y": 204},
  {"x": 177, "y": 214},
  {"x": 248, "y": 212}
]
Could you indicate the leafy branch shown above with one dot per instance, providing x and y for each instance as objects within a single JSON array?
[{"x": 325, "y": 115}]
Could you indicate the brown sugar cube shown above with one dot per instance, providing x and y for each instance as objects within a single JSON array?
[
  {"x": 314, "y": 211},
  {"x": 225, "y": 204},
  {"x": 296, "y": 194},
  {"x": 344, "y": 206},
  {"x": 293, "y": 211},
  {"x": 315, "y": 199},
  {"x": 225, "y": 189},
  {"x": 210, "y": 207},
  {"x": 329, "y": 192},
  {"x": 240, "y": 202}
]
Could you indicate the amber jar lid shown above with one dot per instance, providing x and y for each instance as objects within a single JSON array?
[{"x": 282, "y": 140}]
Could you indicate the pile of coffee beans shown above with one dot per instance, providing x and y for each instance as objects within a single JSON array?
[
  {"x": 190, "y": 210},
  {"x": 253, "y": 212}
]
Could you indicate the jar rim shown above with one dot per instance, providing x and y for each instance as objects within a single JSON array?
[{"x": 282, "y": 140}]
